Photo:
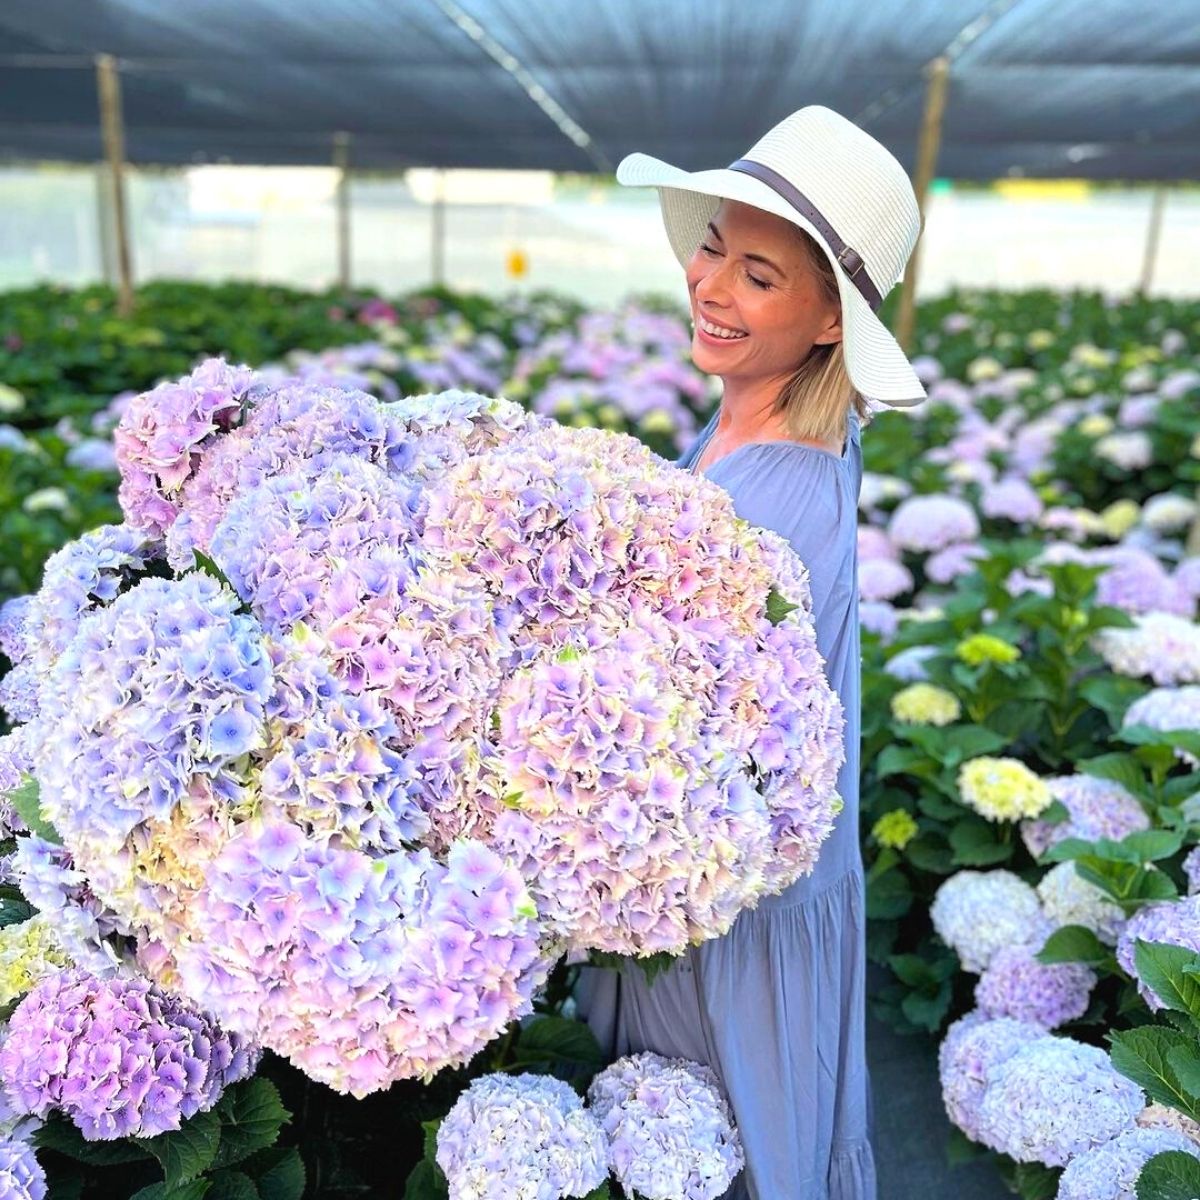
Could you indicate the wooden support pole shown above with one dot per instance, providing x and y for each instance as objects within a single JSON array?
[
  {"x": 1153, "y": 230},
  {"x": 341, "y": 160},
  {"x": 438, "y": 231},
  {"x": 109, "y": 85},
  {"x": 927, "y": 152}
]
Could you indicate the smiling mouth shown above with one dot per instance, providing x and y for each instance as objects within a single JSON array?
[{"x": 720, "y": 331}]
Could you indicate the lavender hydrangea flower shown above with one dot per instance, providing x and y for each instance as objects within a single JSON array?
[
  {"x": 669, "y": 1129},
  {"x": 978, "y": 913},
  {"x": 1110, "y": 1171},
  {"x": 930, "y": 523},
  {"x": 1097, "y": 808},
  {"x": 164, "y": 432},
  {"x": 973, "y": 1046},
  {"x": 1054, "y": 1099},
  {"x": 883, "y": 579},
  {"x": 523, "y": 1135},
  {"x": 1170, "y": 922},
  {"x": 1191, "y": 869},
  {"x": 21, "y": 1175},
  {"x": 1012, "y": 499},
  {"x": 954, "y": 561},
  {"x": 1161, "y": 646},
  {"x": 362, "y": 970},
  {"x": 119, "y": 1057},
  {"x": 1015, "y": 984},
  {"x": 1168, "y": 709},
  {"x": 908, "y": 665}
]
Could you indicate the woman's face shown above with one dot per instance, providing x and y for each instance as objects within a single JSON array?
[{"x": 752, "y": 274}]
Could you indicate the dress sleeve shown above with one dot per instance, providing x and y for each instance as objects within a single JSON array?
[{"x": 805, "y": 496}]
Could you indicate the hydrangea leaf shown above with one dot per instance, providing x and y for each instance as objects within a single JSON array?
[
  {"x": 1163, "y": 968},
  {"x": 558, "y": 1040},
  {"x": 1074, "y": 943},
  {"x": 251, "y": 1115},
  {"x": 196, "y": 1190},
  {"x": 26, "y": 800},
  {"x": 426, "y": 1182},
  {"x": 188, "y": 1151},
  {"x": 1172, "y": 1175},
  {"x": 232, "y": 1185},
  {"x": 1141, "y": 1055},
  {"x": 778, "y": 608},
  {"x": 278, "y": 1173}
]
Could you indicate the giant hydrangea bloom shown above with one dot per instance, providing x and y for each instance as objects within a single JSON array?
[
  {"x": 1068, "y": 899},
  {"x": 669, "y": 1129},
  {"x": 1054, "y": 1099},
  {"x": 523, "y": 1135},
  {"x": 1161, "y": 646},
  {"x": 930, "y": 523},
  {"x": 119, "y": 1057}
]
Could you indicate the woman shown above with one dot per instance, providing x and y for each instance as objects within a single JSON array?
[{"x": 787, "y": 255}]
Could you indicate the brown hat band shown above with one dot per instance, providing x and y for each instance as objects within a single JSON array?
[{"x": 849, "y": 258}]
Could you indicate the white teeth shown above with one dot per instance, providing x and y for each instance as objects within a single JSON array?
[{"x": 717, "y": 331}]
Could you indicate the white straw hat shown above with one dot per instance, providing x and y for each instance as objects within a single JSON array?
[{"x": 841, "y": 186}]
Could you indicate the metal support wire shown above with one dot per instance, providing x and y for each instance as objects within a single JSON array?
[{"x": 570, "y": 128}]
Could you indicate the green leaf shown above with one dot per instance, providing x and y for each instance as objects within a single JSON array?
[
  {"x": 196, "y": 1190},
  {"x": 209, "y": 567},
  {"x": 1149, "y": 845},
  {"x": 902, "y": 760},
  {"x": 1172, "y": 1175},
  {"x": 25, "y": 798},
  {"x": 187, "y": 1152},
  {"x": 251, "y": 1115},
  {"x": 559, "y": 1040},
  {"x": 1177, "y": 739},
  {"x": 1120, "y": 768},
  {"x": 970, "y": 741},
  {"x": 232, "y": 1185},
  {"x": 426, "y": 1182},
  {"x": 960, "y": 1149},
  {"x": 975, "y": 844},
  {"x": 603, "y": 1192},
  {"x": 429, "y": 1138},
  {"x": 59, "y": 1135},
  {"x": 1165, "y": 969},
  {"x": 1036, "y": 1182},
  {"x": 928, "y": 1011},
  {"x": 278, "y": 1172},
  {"x": 930, "y": 854},
  {"x": 914, "y": 970},
  {"x": 777, "y": 607},
  {"x": 1074, "y": 943},
  {"x": 888, "y": 896},
  {"x": 1141, "y": 1055},
  {"x": 1185, "y": 1062}
]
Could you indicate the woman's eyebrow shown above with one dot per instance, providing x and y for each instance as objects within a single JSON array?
[{"x": 753, "y": 257}]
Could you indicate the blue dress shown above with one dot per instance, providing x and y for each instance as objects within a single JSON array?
[{"x": 777, "y": 1005}]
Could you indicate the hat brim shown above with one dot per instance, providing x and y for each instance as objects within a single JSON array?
[{"x": 877, "y": 366}]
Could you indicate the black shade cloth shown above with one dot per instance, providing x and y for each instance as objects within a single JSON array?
[{"x": 1087, "y": 88}]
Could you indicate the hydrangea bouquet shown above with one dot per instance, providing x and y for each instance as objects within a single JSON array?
[{"x": 370, "y": 710}]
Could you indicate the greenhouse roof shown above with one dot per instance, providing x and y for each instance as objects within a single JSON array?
[{"x": 1089, "y": 88}]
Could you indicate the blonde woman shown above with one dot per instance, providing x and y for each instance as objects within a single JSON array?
[{"x": 788, "y": 254}]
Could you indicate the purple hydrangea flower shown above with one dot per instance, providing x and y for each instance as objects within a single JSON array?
[
  {"x": 1110, "y": 1171},
  {"x": 118, "y": 1057},
  {"x": 930, "y": 523},
  {"x": 523, "y": 1135},
  {"x": 1170, "y": 922},
  {"x": 979, "y": 913},
  {"x": 1053, "y": 1099},
  {"x": 972, "y": 1048},
  {"x": 670, "y": 1132},
  {"x": 1015, "y": 984},
  {"x": 21, "y": 1175},
  {"x": 1097, "y": 808}
]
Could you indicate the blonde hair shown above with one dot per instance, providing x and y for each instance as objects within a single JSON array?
[{"x": 817, "y": 399}]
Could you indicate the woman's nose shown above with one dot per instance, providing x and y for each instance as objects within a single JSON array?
[{"x": 711, "y": 285}]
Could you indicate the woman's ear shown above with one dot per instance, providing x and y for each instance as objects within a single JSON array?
[{"x": 831, "y": 333}]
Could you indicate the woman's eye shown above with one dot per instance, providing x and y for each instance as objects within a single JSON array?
[
  {"x": 762, "y": 283},
  {"x": 707, "y": 248}
]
